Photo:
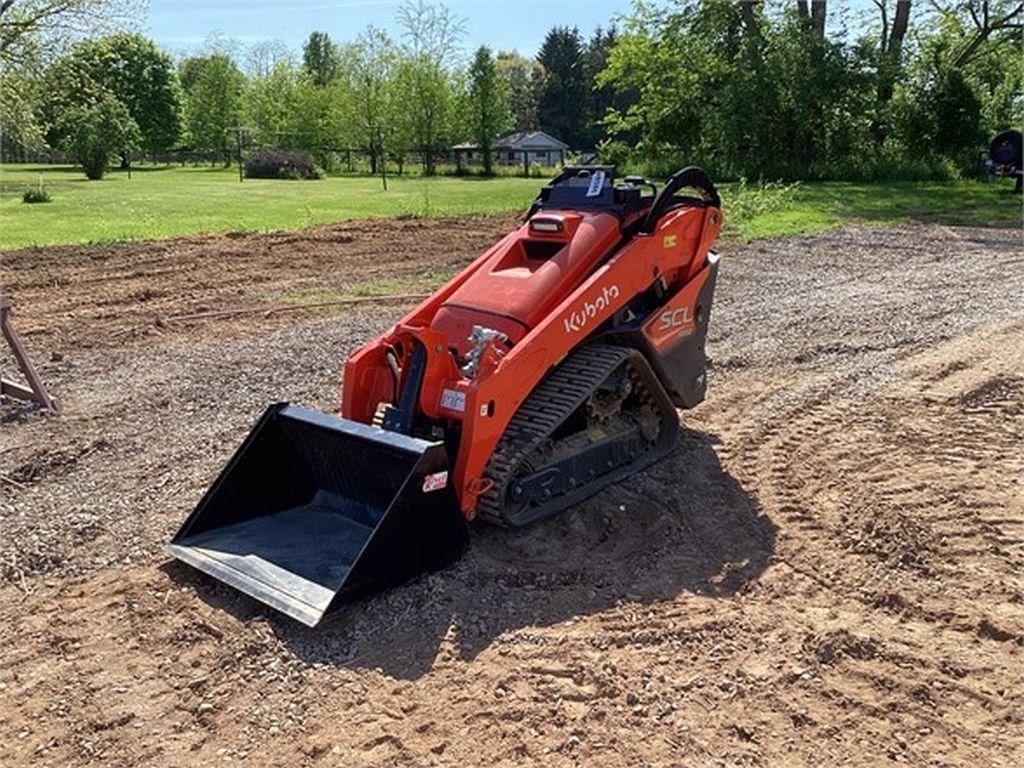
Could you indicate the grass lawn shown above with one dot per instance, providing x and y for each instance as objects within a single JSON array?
[
  {"x": 161, "y": 201},
  {"x": 164, "y": 201},
  {"x": 816, "y": 206}
]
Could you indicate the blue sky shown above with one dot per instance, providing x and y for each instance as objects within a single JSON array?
[{"x": 182, "y": 25}]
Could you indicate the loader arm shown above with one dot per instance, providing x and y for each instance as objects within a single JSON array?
[{"x": 366, "y": 383}]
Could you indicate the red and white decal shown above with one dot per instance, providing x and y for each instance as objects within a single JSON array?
[{"x": 435, "y": 482}]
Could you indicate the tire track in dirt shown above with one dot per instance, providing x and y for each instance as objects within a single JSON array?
[{"x": 795, "y": 464}]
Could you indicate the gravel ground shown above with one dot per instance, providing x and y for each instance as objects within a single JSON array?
[{"x": 827, "y": 570}]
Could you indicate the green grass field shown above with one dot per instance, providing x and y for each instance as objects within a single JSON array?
[
  {"x": 824, "y": 205},
  {"x": 165, "y": 201}
]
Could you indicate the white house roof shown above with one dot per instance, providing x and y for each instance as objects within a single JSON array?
[
  {"x": 530, "y": 140},
  {"x": 522, "y": 141}
]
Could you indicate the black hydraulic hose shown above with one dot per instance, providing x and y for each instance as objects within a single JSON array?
[{"x": 393, "y": 365}]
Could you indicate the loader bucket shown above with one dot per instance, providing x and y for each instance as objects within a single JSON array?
[{"x": 315, "y": 510}]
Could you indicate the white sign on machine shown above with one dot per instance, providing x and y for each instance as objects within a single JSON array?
[{"x": 453, "y": 400}]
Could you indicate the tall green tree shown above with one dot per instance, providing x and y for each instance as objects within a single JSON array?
[
  {"x": 66, "y": 85},
  {"x": 601, "y": 97},
  {"x": 92, "y": 133},
  {"x": 562, "y": 109},
  {"x": 489, "y": 113},
  {"x": 32, "y": 34},
  {"x": 739, "y": 93},
  {"x": 425, "y": 78},
  {"x": 370, "y": 67},
  {"x": 142, "y": 77},
  {"x": 317, "y": 120},
  {"x": 962, "y": 79},
  {"x": 320, "y": 58},
  {"x": 214, "y": 103},
  {"x": 269, "y": 102},
  {"x": 524, "y": 79}
]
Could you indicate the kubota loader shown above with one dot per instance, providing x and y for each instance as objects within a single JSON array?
[{"x": 548, "y": 368}]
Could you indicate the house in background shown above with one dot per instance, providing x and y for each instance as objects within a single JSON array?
[{"x": 522, "y": 148}]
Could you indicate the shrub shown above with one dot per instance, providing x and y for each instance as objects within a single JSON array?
[
  {"x": 281, "y": 164},
  {"x": 538, "y": 171},
  {"x": 35, "y": 195}
]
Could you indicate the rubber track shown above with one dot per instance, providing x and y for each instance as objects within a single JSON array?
[{"x": 551, "y": 403}]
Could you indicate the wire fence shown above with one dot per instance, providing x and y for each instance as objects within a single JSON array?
[{"x": 334, "y": 160}]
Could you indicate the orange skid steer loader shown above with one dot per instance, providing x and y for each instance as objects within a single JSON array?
[{"x": 548, "y": 368}]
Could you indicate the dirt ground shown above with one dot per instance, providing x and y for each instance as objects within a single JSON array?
[{"x": 827, "y": 571}]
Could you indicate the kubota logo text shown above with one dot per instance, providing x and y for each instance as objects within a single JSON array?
[{"x": 582, "y": 316}]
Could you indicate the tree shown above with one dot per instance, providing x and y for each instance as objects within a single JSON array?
[
  {"x": 94, "y": 132},
  {"x": 33, "y": 33},
  {"x": 140, "y": 76},
  {"x": 269, "y": 103},
  {"x": 432, "y": 37},
  {"x": 320, "y": 58},
  {"x": 27, "y": 26},
  {"x": 999, "y": 21},
  {"x": 942, "y": 116},
  {"x": 316, "y": 119},
  {"x": 488, "y": 105},
  {"x": 66, "y": 85},
  {"x": 962, "y": 80},
  {"x": 976, "y": 37},
  {"x": 775, "y": 99},
  {"x": 21, "y": 123},
  {"x": 563, "y": 100},
  {"x": 370, "y": 65},
  {"x": 263, "y": 56},
  {"x": 601, "y": 97},
  {"x": 214, "y": 102},
  {"x": 524, "y": 79},
  {"x": 889, "y": 58}
]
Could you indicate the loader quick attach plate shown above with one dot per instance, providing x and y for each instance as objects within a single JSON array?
[{"x": 315, "y": 510}]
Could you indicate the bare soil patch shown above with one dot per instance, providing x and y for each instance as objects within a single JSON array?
[
  {"x": 827, "y": 570},
  {"x": 110, "y": 294}
]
